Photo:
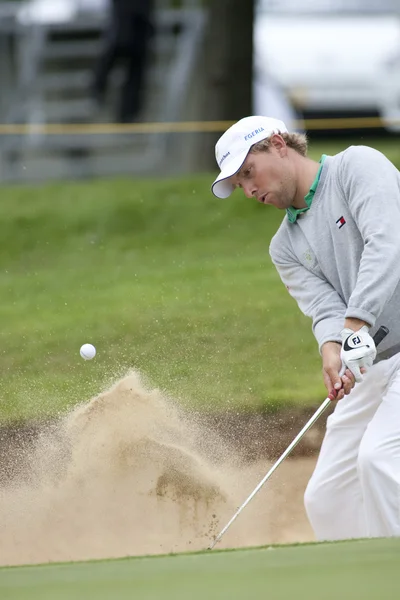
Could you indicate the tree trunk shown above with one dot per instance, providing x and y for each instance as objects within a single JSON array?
[
  {"x": 226, "y": 70},
  {"x": 229, "y": 59}
]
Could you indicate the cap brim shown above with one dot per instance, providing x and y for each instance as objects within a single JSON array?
[{"x": 222, "y": 188}]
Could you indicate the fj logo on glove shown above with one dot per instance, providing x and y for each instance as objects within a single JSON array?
[{"x": 353, "y": 342}]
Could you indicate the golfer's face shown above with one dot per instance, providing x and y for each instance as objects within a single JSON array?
[{"x": 268, "y": 177}]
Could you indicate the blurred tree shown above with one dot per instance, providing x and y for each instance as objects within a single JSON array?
[
  {"x": 226, "y": 71},
  {"x": 229, "y": 58}
]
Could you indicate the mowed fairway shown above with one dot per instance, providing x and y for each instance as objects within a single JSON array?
[
  {"x": 361, "y": 570},
  {"x": 159, "y": 276}
]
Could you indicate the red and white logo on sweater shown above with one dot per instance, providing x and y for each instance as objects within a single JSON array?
[{"x": 340, "y": 222}]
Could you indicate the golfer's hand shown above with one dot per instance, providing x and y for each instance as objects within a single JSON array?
[
  {"x": 358, "y": 351},
  {"x": 337, "y": 385}
]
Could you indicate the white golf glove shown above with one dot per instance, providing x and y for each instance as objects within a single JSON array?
[{"x": 358, "y": 350}]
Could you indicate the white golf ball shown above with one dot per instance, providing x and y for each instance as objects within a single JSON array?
[{"x": 88, "y": 351}]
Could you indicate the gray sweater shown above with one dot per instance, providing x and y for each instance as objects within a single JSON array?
[{"x": 342, "y": 257}]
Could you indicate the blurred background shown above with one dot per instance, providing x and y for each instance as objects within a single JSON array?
[
  {"x": 101, "y": 87},
  {"x": 109, "y": 112}
]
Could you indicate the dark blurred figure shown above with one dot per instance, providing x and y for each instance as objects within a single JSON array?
[{"x": 127, "y": 39}]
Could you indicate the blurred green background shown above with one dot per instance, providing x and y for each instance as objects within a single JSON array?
[{"x": 160, "y": 276}]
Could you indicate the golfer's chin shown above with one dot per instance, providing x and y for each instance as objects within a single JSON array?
[
  {"x": 276, "y": 202},
  {"x": 283, "y": 203}
]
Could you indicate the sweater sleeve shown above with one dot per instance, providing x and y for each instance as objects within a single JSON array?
[
  {"x": 315, "y": 297},
  {"x": 371, "y": 185}
]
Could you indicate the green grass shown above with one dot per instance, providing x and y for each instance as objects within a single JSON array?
[
  {"x": 362, "y": 570},
  {"x": 159, "y": 276}
]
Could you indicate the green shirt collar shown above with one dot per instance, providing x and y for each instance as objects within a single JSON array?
[{"x": 293, "y": 212}]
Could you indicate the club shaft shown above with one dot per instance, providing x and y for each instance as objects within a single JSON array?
[{"x": 288, "y": 450}]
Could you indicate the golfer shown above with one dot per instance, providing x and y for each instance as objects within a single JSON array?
[{"x": 338, "y": 253}]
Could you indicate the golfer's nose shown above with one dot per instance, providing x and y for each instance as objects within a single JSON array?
[{"x": 250, "y": 190}]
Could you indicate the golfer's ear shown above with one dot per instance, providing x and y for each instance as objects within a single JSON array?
[{"x": 279, "y": 144}]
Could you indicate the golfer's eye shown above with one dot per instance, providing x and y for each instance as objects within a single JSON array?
[{"x": 246, "y": 172}]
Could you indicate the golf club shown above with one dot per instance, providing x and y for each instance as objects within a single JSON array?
[{"x": 378, "y": 337}]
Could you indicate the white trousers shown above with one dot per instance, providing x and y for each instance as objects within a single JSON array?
[{"x": 354, "y": 491}]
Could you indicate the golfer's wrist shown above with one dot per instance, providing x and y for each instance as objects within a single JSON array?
[
  {"x": 354, "y": 324},
  {"x": 329, "y": 347},
  {"x": 330, "y": 344}
]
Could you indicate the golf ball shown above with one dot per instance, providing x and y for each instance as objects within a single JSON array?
[{"x": 88, "y": 351}]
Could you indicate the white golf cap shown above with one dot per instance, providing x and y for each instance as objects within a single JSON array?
[{"x": 234, "y": 145}]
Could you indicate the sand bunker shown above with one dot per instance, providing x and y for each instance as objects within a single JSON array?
[{"x": 129, "y": 473}]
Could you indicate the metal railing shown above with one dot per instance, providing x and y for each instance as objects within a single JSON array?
[{"x": 38, "y": 95}]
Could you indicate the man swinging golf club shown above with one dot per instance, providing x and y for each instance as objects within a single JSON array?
[{"x": 338, "y": 253}]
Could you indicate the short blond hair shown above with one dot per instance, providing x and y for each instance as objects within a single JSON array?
[{"x": 296, "y": 141}]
